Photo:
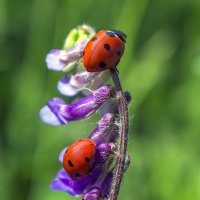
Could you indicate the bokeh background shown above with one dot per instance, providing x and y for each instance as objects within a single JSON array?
[{"x": 160, "y": 67}]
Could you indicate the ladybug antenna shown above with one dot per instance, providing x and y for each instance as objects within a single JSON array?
[{"x": 121, "y": 35}]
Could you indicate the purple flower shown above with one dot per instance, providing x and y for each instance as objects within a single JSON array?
[
  {"x": 70, "y": 86},
  {"x": 66, "y": 88},
  {"x": 77, "y": 187},
  {"x": 81, "y": 81},
  {"x": 57, "y": 112},
  {"x": 105, "y": 125},
  {"x": 59, "y": 60}
]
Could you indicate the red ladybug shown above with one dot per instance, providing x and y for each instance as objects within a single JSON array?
[
  {"x": 78, "y": 160},
  {"x": 104, "y": 50}
]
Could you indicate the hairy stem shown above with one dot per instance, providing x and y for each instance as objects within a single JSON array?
[{"x": 123, "y": 137}]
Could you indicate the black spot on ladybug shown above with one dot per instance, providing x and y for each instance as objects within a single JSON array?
[
  {"x": 78, "y": 175},
  {"x": 111, "y": 34},
  {"x": 70, "y": 163},
  {"x": 118, "y": 53},
  {"x": 87, "y": 159},
  {"x": 83, "y": 53},
  {"x": 94, "y": 39},
  {"x": 107, "y": 47},
  {"x": 102, "y": 65}
]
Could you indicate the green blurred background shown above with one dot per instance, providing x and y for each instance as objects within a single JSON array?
[{"x": 160, "y": 67}]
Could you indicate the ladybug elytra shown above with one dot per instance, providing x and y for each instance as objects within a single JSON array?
[
  {"x": 104, "y": 50},
  {"x": 78, "y": 159}
]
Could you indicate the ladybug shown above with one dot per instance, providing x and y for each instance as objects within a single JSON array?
[
  {"x": 104, "y": 50},
  {"x": 78, "y": 159}
]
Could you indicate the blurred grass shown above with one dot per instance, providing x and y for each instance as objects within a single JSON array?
[{"x": 161, "y": 68}]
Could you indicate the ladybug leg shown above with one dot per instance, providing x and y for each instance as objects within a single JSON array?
[
  {"x": 91, "y": 169},
  {"x": 115, "y": 68},
  {"x": 102, "y": 161},
  {"x": 94, "y": 165},
  {"x": 103, "y": 152}
]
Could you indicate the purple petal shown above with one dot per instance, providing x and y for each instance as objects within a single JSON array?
[
  {"x": 76, "y": 187},
  {"x": 102, "y": 131},
  {"x": 84, "y": 107},
  {"x": 51, "y": 113},
  {"x": 53, "y": 60},
  {"x": 83, "y": 78},
  {"x": 64, "y": 183},
  {"x": 114, "y": 133},
  {"x": 65, "y": 88},
  {"x": 57, "y": 60},
  {"x": 106, "y": 184},
  {"x": 70, "y": 86},
  {"x": 93, "y": 194},
  {"x": 61, "y": 155},
  {"x": 103, "y": 151},
  {"x": 57, "y": 112}
]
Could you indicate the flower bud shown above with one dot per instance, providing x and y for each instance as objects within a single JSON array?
[
  {"x": 102, "y": 130},
  {"x": 103, "y": 151},
  {"x": 77, "y": 35}
]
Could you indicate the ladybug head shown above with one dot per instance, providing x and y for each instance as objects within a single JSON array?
[{"x": 120, "y": 34}]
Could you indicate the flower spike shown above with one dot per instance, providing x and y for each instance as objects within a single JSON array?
[{"x": 93, "y": 58}]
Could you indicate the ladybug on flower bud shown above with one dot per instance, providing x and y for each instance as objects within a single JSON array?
[
  {"x": 104, "y": 50},
  {"x": 78, "y": 159}
]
